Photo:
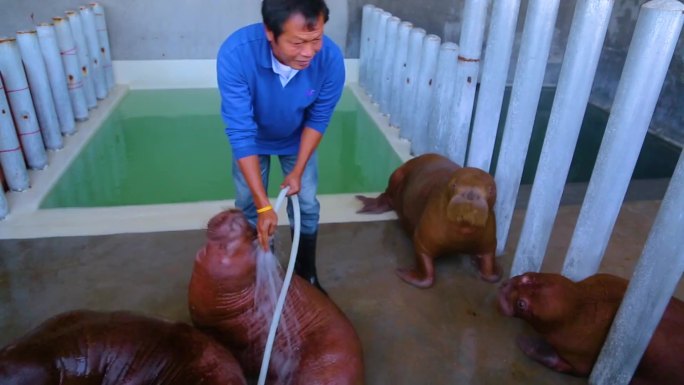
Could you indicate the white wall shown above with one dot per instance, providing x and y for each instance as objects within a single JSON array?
[{"x": 169, "y": 29}]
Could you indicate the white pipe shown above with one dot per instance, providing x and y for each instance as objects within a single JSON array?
[
  {"x": 364, "y": 50},
  {"x": 40, "y": 89},
  {"x": 408, "y": 95},
  {"x": 103, "y": 38},
  {"x": 497, "y": 59},
  {"x": 21, "y": 104},
  {"x": 388, "y": 64},
  {"x": 372, "y": 48},
  {"x": 650, "y": 52},
  {"x": 424, "y": 94},
  {"x": 11, "y": 158},
  {"x": 67, "y": 50},
  {"x": 522, "y": 108},
  {"x": 443, "y": 100},
  {"x": 83, "y": 57},
  {"x": 582, "y": 53},
  {"x": 380, "y": 52},
  {"x": 4, "y": 207},
  {"x": 96, "y": 59},
  {"x": 286, "y": 282},
  {"x": 58, "y": 82},
  {"x": 662, "y": 257},
  {"x": 655, "y": 279},
  {"x": 399, "y": 72},
  {"x": 467, "y": 71}
]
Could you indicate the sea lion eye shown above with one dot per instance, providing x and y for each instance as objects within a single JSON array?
[{"x": 521, "y": 304}]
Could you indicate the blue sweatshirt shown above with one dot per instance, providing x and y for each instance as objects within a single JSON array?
[{"x": 262, "y": 116}]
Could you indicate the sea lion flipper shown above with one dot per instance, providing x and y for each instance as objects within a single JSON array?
[
  {"x": 489, "y": 269},
  {"x": 541, "y": 351},
  {"x": 423, "y": 276},
  {"x": 377, "y": 205}
]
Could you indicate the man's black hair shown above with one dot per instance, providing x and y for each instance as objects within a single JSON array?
[{"x": 276, "y": 12}]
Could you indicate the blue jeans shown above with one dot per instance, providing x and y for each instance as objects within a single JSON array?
[{"x": 308, "y": 203}]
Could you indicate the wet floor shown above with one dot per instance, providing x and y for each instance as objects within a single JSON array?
[{"x": 448, "y": 334}]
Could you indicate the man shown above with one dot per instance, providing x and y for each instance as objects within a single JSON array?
[{"x": 279, "y": 84}]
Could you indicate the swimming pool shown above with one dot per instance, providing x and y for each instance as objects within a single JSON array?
[{"x": 169, "y": 146}]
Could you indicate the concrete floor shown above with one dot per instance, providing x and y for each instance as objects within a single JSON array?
[{"x": 448, "y": 334}]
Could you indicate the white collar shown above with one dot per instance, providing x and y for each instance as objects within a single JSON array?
[{"x": 286, "y": 73}]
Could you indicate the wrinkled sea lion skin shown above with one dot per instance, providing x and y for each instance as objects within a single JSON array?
[
  {"x": 573, "y": 320},
  {"x": 97, "y": 348},
  {"x": 222, "y": 303},
  {"x": 446, "y": 209}
]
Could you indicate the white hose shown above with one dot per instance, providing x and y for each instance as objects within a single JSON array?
[{"x": 286, "y": 282}]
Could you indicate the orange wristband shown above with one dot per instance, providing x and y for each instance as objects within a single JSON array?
[{"x": 264, "y": 209}]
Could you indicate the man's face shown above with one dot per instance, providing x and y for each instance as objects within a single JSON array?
[{"x": 298, "y": 43}]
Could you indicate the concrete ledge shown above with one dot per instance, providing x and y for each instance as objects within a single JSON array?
[{"x": 174, "y": 74}]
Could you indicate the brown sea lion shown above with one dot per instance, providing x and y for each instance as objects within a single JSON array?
[
  {"x": 445, "y": 208},
  {"x": 97, "y": 348},
  {"x": 318, "y": 345},
  {"x": 573, "y": 320}
]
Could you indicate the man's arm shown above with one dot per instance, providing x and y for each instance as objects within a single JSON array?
[
  {"x": 267, "y": 220},
  {"x": 238, "y": 115}
]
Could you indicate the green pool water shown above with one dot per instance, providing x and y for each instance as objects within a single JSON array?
[{"x": 169, "y": 146}]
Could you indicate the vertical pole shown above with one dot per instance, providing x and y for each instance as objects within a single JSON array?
[
  {"x": 408, "y": 98},
  {"x": 378, "y": 58},
  {"x": 365, "y": 45},
  {"x": 58, "y": 82},
  {"x": 655, "y": 278},
  {"x": 497, "y": 59},
  {"x": 4, "y": 207},
  {"x": 40, "y": 89},
  {"x": 11, "y": 158},
  {"x": 387, "y": 64},
  {"x": 372, "y": 47},
  {"x": 424, "y": 94},
  {"x": 103, "y": 39},
  {"x": 21, "y": 104},
  {"x": 67, "y": 50},
  {"x": 443, "y": 100},
  {"x": 655, "y": 37},
  {"x": 522, "y": 108},
  {"x": 399, "y": 72},
  {"x": 582, "y": 53},
  {"x": 96, "y": 59},
  {"x": 83, "y": 57},
  {"x": 472, "y": 35}
]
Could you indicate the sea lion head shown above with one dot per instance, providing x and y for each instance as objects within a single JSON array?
[
  {"x": 230, "y": 250},
  {"x": 538, "y": 297},
  {"x": 472, "y": 193},
  {"x": 230, "y": 225}
]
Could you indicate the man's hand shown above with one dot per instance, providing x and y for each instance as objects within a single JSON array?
[
  {"x": 294, "y": 181},
  {"x": 266, "y": 226}
]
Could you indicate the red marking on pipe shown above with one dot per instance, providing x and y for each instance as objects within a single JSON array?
[
  {"x": 21, "y": 89},
  {"x": 76, "y": 86},
  {"x": 461, "y": 58},
  {"x": 29, "y": 133},
  {"x": 11, "y": 149},
  {"x": 71, "y": 51}
]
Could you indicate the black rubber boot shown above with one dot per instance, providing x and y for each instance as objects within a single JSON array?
[{"x": 305, "y": 266}]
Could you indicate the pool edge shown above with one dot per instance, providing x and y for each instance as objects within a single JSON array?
[{"x": 27, "y": 221}]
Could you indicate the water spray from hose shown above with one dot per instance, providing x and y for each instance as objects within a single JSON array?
[{"x": 286, "y": 282}]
